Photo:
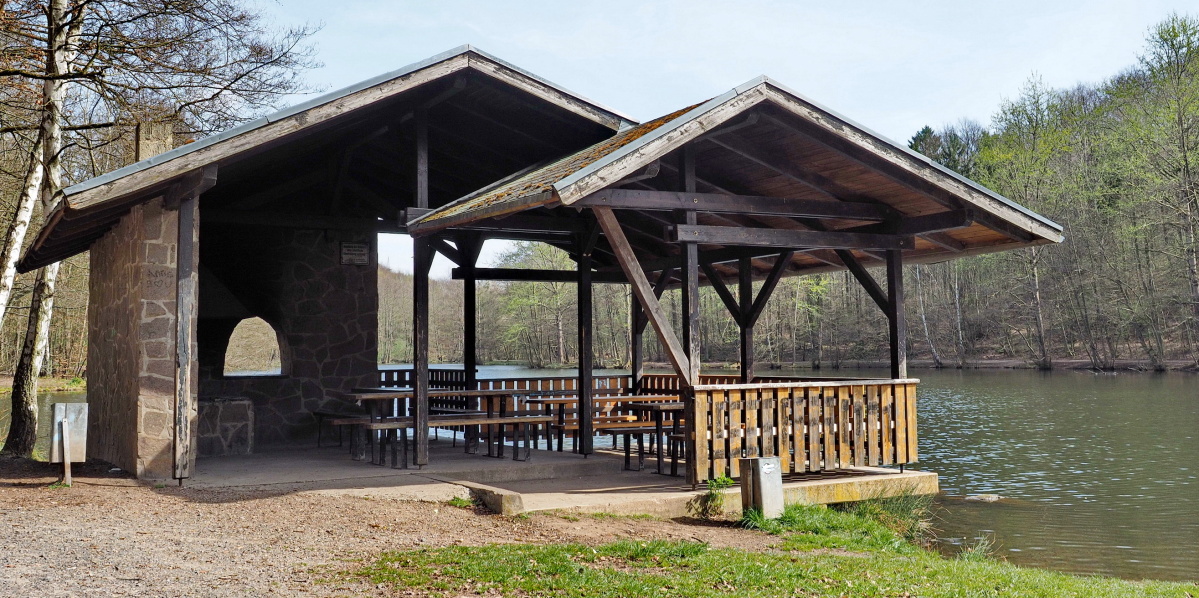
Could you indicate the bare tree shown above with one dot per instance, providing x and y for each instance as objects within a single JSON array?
[{"x": 107, "y": 63}]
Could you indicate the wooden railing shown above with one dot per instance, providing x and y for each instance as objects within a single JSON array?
[
  {"x": 811, "y": 423},
  {"x": 810, "y": 426},
  {"x": 438, "y": 378}
]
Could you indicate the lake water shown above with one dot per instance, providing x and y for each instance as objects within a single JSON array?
[{"x": 1098, "y": 473}]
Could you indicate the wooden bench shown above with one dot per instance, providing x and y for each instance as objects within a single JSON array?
[
  {"x": 599, "y": 425},
  {"x": 471, "y": 423},
  {"x": 322, "y": 415}
]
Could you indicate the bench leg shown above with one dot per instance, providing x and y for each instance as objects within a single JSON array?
[
  {"x": 472, "y": 440},
  {"x": 628, "y": 456},
  {"x": 391, "y": 438},
  {"x": 640, "y": 452},
  {"x": 403, "y": 449},
  {"x": 358, "y": 443}
]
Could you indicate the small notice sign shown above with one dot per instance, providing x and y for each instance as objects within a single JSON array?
[{"x": 355, "y": 254}]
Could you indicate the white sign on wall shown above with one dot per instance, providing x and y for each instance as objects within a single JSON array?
[{"x": 355, "y": 254}]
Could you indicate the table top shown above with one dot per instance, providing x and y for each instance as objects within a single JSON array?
[
  {"x": 381, "y": 393},
  {"x": 605, "y": 400},
  {"x": 666, "y": 406},
  {"x": 368, "y": 394}
]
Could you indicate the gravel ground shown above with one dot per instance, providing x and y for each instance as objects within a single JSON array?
[{"x": 109, "y": 535}]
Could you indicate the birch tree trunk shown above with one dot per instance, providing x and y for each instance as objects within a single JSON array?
[
  {"x": 23, "y": 429},
  {"x": 924, "y": 319},
  {"x": 31, "y": 190}
]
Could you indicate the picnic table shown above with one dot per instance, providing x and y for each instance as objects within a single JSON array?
[
  {"x": 658, "y": 410},
  {"x": 557, "y": 407}
]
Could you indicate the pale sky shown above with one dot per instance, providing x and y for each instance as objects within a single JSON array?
[{"x": 892, "y": 66}]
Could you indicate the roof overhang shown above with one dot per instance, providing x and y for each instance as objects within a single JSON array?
[
  {"x": 822, "y": 146},
  {"x": 90, "y": 208}
]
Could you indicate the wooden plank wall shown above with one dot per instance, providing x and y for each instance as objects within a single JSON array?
[{"x": 810, "y": 426}]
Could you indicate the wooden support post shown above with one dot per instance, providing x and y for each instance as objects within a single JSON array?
[
  {"x": 690, "y": 273},
  {"x": 468, "y": 250},
  {"x": 745, "y": 296},
  {"x": 689, "y": 269},
  {"x": 421, "y": 261},
  {"x": 187, "y": 296},
  {"x": 637, "y": 323},
  {"x": 897, "y": 325},
  {"x": 585, "y": 245}
]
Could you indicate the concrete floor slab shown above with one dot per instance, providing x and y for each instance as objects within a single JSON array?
[{"x": 548, "y": 481}]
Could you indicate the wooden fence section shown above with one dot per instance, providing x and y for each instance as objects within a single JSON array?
[
  {"x": 438, "y": 378},
  {"x": 810, "y": 426}
]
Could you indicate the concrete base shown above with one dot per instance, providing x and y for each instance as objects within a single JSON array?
[{"x": 549, "y": 481}]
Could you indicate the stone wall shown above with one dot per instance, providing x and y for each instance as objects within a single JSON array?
[
  {"x": 325, "y": 314},
  {"x": 131, "y": 342},
  {"x": 226, "y": 427}
]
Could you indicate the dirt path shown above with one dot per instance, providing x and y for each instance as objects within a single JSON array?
[{"x": 110, "y": 536}]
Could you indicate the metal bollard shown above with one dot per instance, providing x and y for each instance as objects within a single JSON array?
[{"x": 762, "y": 486}]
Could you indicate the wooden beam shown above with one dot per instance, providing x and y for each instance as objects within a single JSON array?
[
  {"x": 515, "y": 223},
  {"x": 422, "y": 158},
  {"x": 864, "y": 278},
  {"x": 722, "y": 291},
  {"x": 745, "y": 293},
  {"x": 768, "y": 286},
  {"x": 897, "y": 324},
  {"x": 738, "y": 204},
  {"x": 450, "y": 252},
  {"x": 944, "y": 241},
  {"x": 713, "y": 256},
  {"x": 659, "y": 288},
  {"x": 535, "y": 275},
  {"x": 789, "y": 239},
  {"x": 279, "y": 220},
  {"x": 642, "y": 289},
  {"x": 920, "y": 225},
  {"x": 637, "y": 325}
]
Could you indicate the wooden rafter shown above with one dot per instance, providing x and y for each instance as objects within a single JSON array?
[
  {"x": 787, "y": 239},
  {"x": 642, "y": 289}
]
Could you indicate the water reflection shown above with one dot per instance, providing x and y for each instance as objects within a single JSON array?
[{"x": 1096, "y": 470}]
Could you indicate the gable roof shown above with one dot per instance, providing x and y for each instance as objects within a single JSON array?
[
  {"x": 574, "y": 177},
  {"x": 116, "y": 191}
]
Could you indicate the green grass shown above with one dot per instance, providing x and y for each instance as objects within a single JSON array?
[
  {"x": 864, "y": 550},
  {"x": 662, "y": 568},
  {"x": 461, "y": 503}
]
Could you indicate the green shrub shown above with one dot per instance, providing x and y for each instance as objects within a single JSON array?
[{"x": 711, "y": 504}]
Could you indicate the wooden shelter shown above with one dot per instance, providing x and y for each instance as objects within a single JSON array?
[{"x": 753, "y": 185}]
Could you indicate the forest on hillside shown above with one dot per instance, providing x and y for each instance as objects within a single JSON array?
[{"x": 1115, "y": 162}]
